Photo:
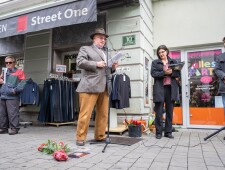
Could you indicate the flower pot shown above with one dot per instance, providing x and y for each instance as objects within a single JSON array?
[{"x": 134, "y": 130}]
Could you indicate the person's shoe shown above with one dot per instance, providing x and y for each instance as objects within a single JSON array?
[
  {"x": 158, "y": 136},
  {"x": 224, "y": 138},
  {"x": 13, "y": 132},
  {"x": 80, "y": 143},
  {"x": 3, "y": 131},
  {"x": 169, "y": 135}
]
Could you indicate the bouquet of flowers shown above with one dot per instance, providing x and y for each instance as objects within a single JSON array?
[
  {"x": 51, "y": 146},
  {"x": 132, "y": 122}
]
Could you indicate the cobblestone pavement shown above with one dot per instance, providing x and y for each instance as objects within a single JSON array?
[{"x": 187, "y": 151}]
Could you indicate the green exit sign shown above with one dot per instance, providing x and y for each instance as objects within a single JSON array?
[{"x": 129, "y": 40}]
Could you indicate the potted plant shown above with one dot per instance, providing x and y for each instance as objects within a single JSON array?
[{"x": 134, "y": 128}]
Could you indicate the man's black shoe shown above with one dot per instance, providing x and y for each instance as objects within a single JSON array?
[
  {"x": 13, "y": 132},
  {"x": 169, "y": 135},
  {"x": 158, "y": 136},
  {"x": 3, "y": 131}
]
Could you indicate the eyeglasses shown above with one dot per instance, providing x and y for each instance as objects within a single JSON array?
[
  {"x": 102, "y": 38},
  {"x": 160, "y": 52},
  {"x": 8, "y": 62}
]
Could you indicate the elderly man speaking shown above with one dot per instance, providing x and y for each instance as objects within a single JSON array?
[{"x": 93, "y": 87}]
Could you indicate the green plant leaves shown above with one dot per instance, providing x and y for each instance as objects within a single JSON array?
[{"x": 51, "y": 146}]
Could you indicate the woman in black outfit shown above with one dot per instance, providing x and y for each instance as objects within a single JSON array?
[{"x": 165, "y": 90}]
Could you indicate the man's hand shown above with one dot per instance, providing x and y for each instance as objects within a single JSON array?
[
  {"x": 101, "y": 64},
  {"x": 115, "y": 65},
  {"x": 14, "y": 92},
  {"x": 1, "y": 81},
  {"x": 224, "y": 80}
]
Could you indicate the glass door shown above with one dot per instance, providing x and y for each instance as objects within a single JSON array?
[
  {"x": 177, "y": 112},
  {"x": 205, "y": 105}
]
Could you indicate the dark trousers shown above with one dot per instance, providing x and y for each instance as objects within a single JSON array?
[
  {"x": 58, "y": 101},
  {"x": 9, "y": 114},
  {"x": 169, "y": 105}
]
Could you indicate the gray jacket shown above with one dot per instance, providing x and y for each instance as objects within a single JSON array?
[
  {"x": 220, "y": 71},
  {"x": 93, "y": 79}
]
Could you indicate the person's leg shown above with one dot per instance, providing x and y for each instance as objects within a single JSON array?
[
  {"x": 4, "y": 122},
  {"x": 12, "y": 107},
  {"x": 223, "y": 99},
  {"x": 158, "y": 118},
  {"x": 101, "y": 116},
  {"x": 87, "y": 103},
  {"x": 169, "y": 111}
]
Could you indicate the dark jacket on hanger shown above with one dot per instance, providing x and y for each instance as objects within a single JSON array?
[
  {"x": 121, "y": 91},
  {"x": 157, "y": 73},
  {"x": 30, "y": 94}
]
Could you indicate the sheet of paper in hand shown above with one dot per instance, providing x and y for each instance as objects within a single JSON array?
[
  {"x": 114, "y": 59},
  {"x": 177, "y": 66},
  {"x": 4, "y": 71}
]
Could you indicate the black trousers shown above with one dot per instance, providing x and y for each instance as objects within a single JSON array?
[
  {"x": 58, "y": 101},
  {"x": 169, "y": 105}
]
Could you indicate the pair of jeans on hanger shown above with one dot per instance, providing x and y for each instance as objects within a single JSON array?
[{"x": 58, "y": 101}]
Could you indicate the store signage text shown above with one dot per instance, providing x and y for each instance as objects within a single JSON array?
[
  {"x": 203, "y": 65},
  {"x": 69, "y": 13},
  {"x": 66, "y": 14},
  {"x": 202, "y": 68},
  {"x": 3, "y": 28},
  {"x": 129, "y": 40}
]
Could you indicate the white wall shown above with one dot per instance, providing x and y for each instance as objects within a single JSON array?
[
  {"x": 133, "y": 20},
  {"x": 180, "y": 23}
]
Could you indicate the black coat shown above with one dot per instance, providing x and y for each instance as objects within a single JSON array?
[
  {"x": 158, "y": 75},
  {"x": 220, "y": 71}
]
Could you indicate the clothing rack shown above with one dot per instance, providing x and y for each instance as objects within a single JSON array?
[
  {"x": 25, "y": 124},
  {"x": 59, "y": 103},
  {"x": 113, "y": 117},
  {"x": 58, "y": 77}
]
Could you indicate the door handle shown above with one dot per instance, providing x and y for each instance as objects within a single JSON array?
[{"x": 187, "y": 93}]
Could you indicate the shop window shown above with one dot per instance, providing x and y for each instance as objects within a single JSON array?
[
  {"x": 203, "y": 84},
  {"x": 205, "y": 105},
  {"x": 175, "y": 55},
  {"x": 177, "y": 115},
  {"x": 19, "y": 61}
]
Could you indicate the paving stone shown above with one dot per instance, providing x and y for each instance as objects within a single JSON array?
[
  {"x": 159, "y": 165},
  {"x": 177, "y": 168},
  {"x": 215, "y": 168},
  {"x": 179, "y": 153},
  {"x": 197, "y": 167},
  {"x": 214, "y": 163},
  {"x": 132, "y": 160}
]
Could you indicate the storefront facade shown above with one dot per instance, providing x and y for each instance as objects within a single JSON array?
[
  {"x": 197, "y": 40},
  {"x": 137, "y": 28},
  {"x": 129, "y": 26}
]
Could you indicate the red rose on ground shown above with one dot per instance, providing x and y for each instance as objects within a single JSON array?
[
  {"x": 60, "y": 155},
  {"x": 61, "y": 143}
]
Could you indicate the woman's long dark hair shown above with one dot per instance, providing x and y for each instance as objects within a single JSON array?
[{"x": 164, "y": 48}]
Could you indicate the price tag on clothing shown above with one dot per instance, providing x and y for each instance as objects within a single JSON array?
[
  {"x": 124, "y": 78},
  {"x": 51, "y": 87}
]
